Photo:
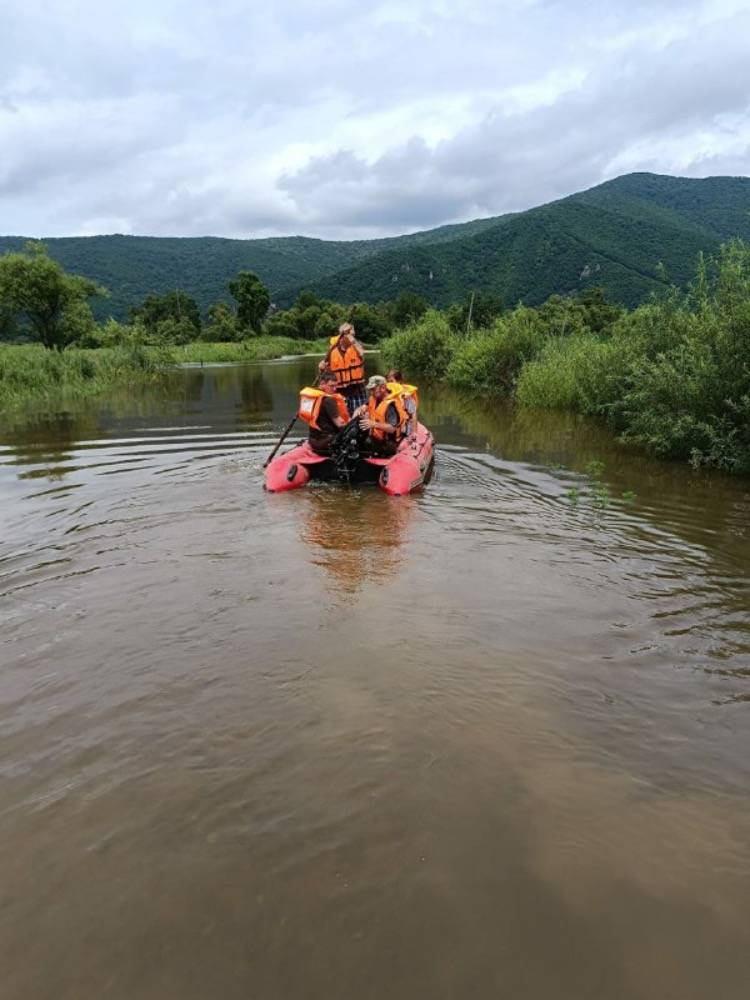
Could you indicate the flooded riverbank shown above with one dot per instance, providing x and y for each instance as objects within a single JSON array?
[{"x": 491, "y": 739}]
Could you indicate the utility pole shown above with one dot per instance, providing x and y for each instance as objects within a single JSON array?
[{"x": 468, "y": 319}]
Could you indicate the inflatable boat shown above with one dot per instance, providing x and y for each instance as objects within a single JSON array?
[{"x": 398, "y": 474}]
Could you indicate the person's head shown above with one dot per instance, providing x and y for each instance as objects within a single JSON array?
[
  {"x": 327, "y": 382},
  {"x": 376, "y": 387},
  {"x": 394, "y": 375},
  {"x": 346, "y": 333}
]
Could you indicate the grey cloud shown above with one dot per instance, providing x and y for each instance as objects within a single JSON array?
[
  {"x": 168, "y": 120},
  {"x": 513, "y": 161}
]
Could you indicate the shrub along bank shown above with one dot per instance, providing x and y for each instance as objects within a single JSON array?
[
  {"x": 29, "y": 374},
  {"x": 672, "y": 375}
]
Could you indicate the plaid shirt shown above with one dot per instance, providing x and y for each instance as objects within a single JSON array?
[{"x": 355, "y": 396}]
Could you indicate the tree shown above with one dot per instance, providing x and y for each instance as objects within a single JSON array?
[
  {"x": 561, "y": 316},
  {"x": 36, "y": 290},
  {"x": 222, "y": 324},
  {"x": 484, "y": 310},
  {"x": 370, "y": 322},
  {"x": 178, "y": 307},
  {"x": 307, "y": 320},
  {"x": 173, "y": 330},
  {"x": 8, "y": 325},
  {"x": 282, "y": 324},
  {"x": 305, "y": 299},
  {"x": 408, "y": 308},
  {"x": 599, "y": 311},
  {"x": 252, "y": 299}
]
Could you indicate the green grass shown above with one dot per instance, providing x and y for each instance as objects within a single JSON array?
[
  {"x": 31, "y": 376},
  {"x": 34, "y": 375}
]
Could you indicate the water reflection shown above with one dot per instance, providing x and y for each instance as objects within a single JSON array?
[
  {"x": 473, "y": 742},
  {"x": 355, "y": 535}
]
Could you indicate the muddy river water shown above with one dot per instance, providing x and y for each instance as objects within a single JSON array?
[{"x": 488, "y": 741}]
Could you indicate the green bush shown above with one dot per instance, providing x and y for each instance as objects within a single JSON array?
[
  {"x": 673, "y": 375},
  {"x": 425, "y": 348},
  {"x": 491, "y": 360},
  {"x": 681, "y": 405},
  {"x": 281, "y": 324},
  {"x": 223, "y": 326},
  {"x": 113, "y": 334},
  {"x": 572, "y": 373},
  {"x": 173, "y": 330}
]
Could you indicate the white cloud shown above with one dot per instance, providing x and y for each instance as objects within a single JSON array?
[{"x": 339, "y": 119}]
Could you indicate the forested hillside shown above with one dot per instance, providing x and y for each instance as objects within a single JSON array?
[
  {"x": 615, "y": 235},
  {"x": 132, "y": 267},
  {"x": 629, "y": 236}
]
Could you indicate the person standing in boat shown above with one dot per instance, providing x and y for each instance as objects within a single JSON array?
[
  {"x": 346, "y": 359},
  {"x": 324, "y": 411},
  {"x": 384, "y": 419}
]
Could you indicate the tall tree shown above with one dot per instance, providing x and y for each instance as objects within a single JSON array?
[
  {"x": 175, "y": 305},
  {"x": 408, "y": 308},
  {"x": 252, "y": 299},
  {"x": 52, "y": 303},
  {"x": 8, "y": 325},
  {"x": 222, "y": 326},
  {"x": 482, "y": 308}
]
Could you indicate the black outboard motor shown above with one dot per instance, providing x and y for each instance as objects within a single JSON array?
[{"x": 345, "y": 449}]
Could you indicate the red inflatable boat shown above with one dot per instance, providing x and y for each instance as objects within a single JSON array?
[{"x": 398, "y": 474}]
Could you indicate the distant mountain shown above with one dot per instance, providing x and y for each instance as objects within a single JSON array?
[
  {"x": 133, "y": 266},
  {"x": 614, "y": 235}
]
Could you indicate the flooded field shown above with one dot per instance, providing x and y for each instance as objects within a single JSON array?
[{"x": 491, "y": 740}]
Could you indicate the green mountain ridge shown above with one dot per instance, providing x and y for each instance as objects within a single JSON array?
[
  {"x": 615, "y": 235},
  {"x": 131, "y": 267}
]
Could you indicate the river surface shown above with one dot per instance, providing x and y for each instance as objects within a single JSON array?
[{"x": 489, "y": 741}]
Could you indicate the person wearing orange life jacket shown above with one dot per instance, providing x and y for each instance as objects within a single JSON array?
[
  {"x": 345, "y": 358},
  {"x": 409, "y": 396},
  {"x": 384, "y": 418},
  {"x": 324, "y": 411}
]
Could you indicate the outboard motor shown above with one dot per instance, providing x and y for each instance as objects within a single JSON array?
[{"x": 345, "y": 451}]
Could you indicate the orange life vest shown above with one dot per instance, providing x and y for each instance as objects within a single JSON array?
[
  {"x": 403, "y": 389},
  {"x": 310, "y": 402},
  {"x": 377, "y": 411},
  {"x": 348, "y": 366}
]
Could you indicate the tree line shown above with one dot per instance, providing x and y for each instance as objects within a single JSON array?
[{"x": 40, "y": 301}]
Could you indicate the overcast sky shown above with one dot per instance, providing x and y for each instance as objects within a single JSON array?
[{"x": 344, "y": 119}]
